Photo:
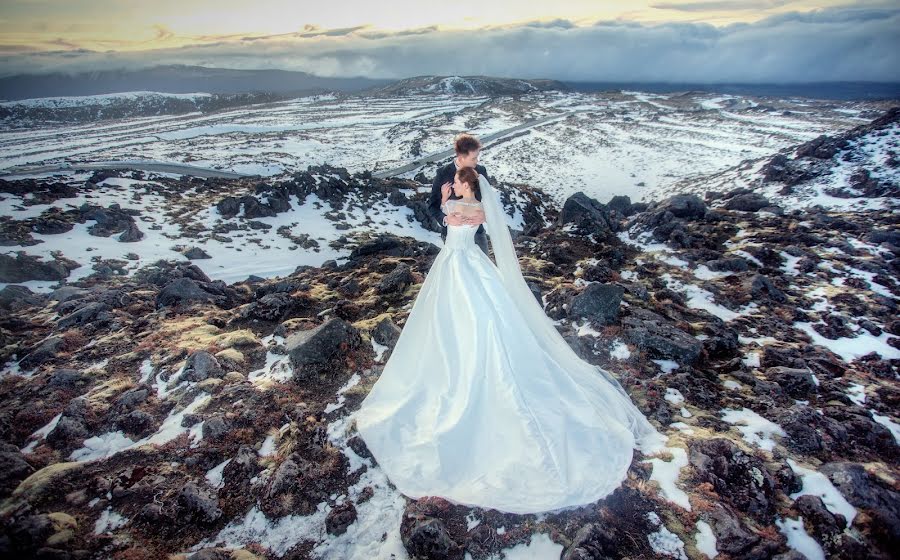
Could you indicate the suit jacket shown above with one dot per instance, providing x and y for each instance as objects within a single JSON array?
[{"x": 445, "y": 175}]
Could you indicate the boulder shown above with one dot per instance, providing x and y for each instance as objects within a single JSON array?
[
  {"x": 599, "y": 302},
  {"x": 316, "y": 348},
  {"x": 656, "y": 335}
]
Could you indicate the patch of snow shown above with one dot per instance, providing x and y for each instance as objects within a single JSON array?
[
  {"x": 109, "y": 521},
  {"x": 665, "y": 542},
  {"x": 754, "y": 428},
  {"x": 817, "y": 484},
  {"x": 705, "y": 540},
  {"x": 214, "y": 475},
  {"x": 665, "y": 473},
  {"x": 799, "y": 539}
]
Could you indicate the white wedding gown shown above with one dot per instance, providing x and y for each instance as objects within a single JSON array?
[{"x": 473, "y": 407}]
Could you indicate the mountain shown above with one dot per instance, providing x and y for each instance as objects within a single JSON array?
[
  {"x": 465, "y": 85},
  {"x": 177, "y": 79}
]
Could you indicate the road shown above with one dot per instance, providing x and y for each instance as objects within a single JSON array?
[
  {"x": 194, "y": 171},
  {"x": 484, "y": 141}
]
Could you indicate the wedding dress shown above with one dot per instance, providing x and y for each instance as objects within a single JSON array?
[{"x": 482, "y": 401}]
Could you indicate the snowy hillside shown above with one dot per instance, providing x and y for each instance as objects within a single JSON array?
[
  {"x": 182, "y": 357},
  {"x": 606, "y": 144}
]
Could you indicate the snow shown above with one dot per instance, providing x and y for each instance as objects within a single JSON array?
[
  {"x": 754, "y": 428},
  {"x": 888, "y": 423},
  {"x": 665, "y": 473},
  {"x": 619, "y": 351},
  {"x": 851, "y": 348},
  {"x": 146, "y": 370},
  {"x": 682, "y": 427},
  {"x": 101, "y": 99},
  {"x": 267, "y": 449},
  {"x": 817, "y": 484},
  {"x": 377, "y": 516},
  {"x": 857, "y": 393},
  {"x": 539, "y": 548},
  {"x": 705, "y": 540},
  {"x": 698, "y": 298},
  {"x": 354, "y": 380},
  {"x": 667, "y": 366},
  {"x": 41, "y": 433},
  {"x": 277, "y": 368},
  {"x": 674, "y": 396},
  {"x": 664, "y": 541},
  {"x": 108, "y": 444},
  {"x": 799, "y": 539},
  {"x": 109, "y": 521},
  {"x": 379, "y": 349},
  {"x": 214, "y": 475},
  {"x": 102, "y": 446}
]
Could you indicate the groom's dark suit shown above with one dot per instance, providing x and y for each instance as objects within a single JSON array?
[{"x": 446, "y": 174}]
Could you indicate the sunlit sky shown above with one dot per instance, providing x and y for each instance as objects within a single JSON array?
[
  {"x": 576, "y": 39},
  {"x": 141, "y": 24}
]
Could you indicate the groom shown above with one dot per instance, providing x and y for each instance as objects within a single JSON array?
[{"x": 467, "y": 148}]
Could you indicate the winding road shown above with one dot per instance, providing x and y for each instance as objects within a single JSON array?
[{"x": 195, "y": 171}]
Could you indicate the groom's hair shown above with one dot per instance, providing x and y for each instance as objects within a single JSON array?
[{"x": 465, "y": 143}]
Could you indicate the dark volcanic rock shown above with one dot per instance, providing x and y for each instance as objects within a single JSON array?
[
  {"x": 740, "y": 479},
  {"x": 732, "y": 535},
  {"x": 386, "y": 333},
  {"x": 599, "y": 302},
  {"x": 315, "y": 348},
  {"x": 13, "y": 468},
  {"x": 23, "y": 268},
  {"x": 865, "y": 491},
  {"x": 88, "y": 313},
  {"x": 202, "y": 365},
  {"x": 182, "y": 290},
  {"x": 661, "y": 339},
  {"x": 396, "y": 281},
  {"x": 44, "y": 351},
  {"x": 15, "y": 297},
  {"x": 196, "y": 504},
  {"x": 594, "y": 541},
  {"x": 272, "y": 307},
  {"x": 750, "y": 202},
  {"x": 587, "y": 215},
  {"x": 424, "y": 531},
  {"x": 683, "y": 206},
  {"x": 193, "y": 253},
  {"x": 131, "y": 234},
  {"x": 797, "y": 383},
  {"x": 339, "y": 518}
]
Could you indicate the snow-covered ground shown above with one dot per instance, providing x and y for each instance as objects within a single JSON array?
[{"x": 628, "y": 143}]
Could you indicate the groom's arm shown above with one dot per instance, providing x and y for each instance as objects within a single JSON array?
[{"x": 434, "y": 201}]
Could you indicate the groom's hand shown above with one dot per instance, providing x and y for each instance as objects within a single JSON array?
[{"x": 455, "y": 220}]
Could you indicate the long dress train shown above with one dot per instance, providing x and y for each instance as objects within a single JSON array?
[{"x": 470, "y": 407}]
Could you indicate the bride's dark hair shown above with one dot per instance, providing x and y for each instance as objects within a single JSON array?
[{"x": 470, "y": 176}]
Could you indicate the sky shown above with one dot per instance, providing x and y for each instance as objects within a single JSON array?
[{"x": 704, "y": 41}]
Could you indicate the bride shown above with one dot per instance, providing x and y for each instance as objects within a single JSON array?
[{"x": 482, "y": 401}]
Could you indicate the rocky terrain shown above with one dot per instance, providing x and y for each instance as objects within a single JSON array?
[
  {"x": 148, "y": 410},
  {"x": 31, "y": 113}
]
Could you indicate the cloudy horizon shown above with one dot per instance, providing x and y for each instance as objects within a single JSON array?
[{"x": 715, "y": 41}]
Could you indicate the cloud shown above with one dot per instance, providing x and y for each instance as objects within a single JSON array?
[
  {"x": 839, "y": 44},
  {"x": 723, "y": 5}
]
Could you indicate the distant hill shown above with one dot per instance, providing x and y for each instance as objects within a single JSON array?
[
  {"x": 814, "y": 90},
  {"x": 465, "y": 85},
  {"x": 177, "y": 79}
]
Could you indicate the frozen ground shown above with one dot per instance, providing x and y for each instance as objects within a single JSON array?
[{"x": 627, "y": 143}]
